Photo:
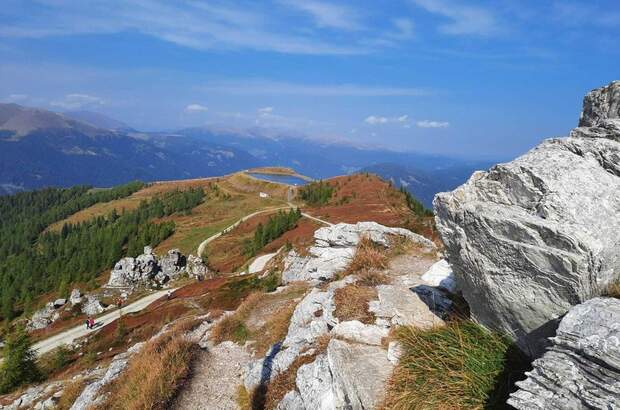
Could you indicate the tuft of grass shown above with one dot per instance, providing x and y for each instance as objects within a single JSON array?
[
  {"x": 368, "y": 255},
  {"x": 613, "y": 290},
  {"x": 372, "y": 277},
  {"x": 153, "y": 375},
  {"x": 244, "y": 401},
  {"x": 460, "y": 365},
  {"x": 233, "y": 327},
  {"x": 352, "y": 303}
]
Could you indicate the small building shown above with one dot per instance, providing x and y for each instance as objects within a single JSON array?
[{"x": 263, "y": 195}]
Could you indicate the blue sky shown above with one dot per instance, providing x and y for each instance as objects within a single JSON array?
[{"x": 478, "y": 79}]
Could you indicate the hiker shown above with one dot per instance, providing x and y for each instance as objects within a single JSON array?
[
  {"x": 87, "y": 322},
  {"x": 91, "y": 323},
  {"x": 169, "y": 295},
  {"x": 119, "y": 302}
]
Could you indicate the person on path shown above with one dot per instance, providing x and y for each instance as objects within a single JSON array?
[
  {"x": 87, "y": 322},
  {"x": 92, "y": 323},
  {"x": 169, "y": 295}
]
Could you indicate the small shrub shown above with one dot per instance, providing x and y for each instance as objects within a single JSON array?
[
  {"x": 352, "y": 303},
  {"x": 457, "y": 366}
]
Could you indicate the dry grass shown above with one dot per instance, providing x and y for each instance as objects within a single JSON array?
[
  {"x": 274, "y": 330},
  {"x": 458, "y": 366},
  {"x": 244, "y": 401},
  {"x": 70, "y": 393},
  {"x": 368, "y": 255},
  {"x": 233, "y": 327},
  {"x": 153, "y": 376},
  {"x": 372, "y": 277},
  {"x": 613, "y": 290},
  {"x": 352, "y": 303}
]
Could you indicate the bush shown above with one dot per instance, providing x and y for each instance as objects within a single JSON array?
[
  {"x": 460, "y": 365},
  {"x": 18, "y": 366}
]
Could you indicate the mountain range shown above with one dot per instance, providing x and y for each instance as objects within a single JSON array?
[{"x": 41, "y": 148}]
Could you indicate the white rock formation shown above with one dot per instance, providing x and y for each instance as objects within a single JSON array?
[
  {"x": 76, "y": 297},
  {"x": 403, "y": 307},
  {"x": 581, "y": 370},
  {"x": 148, "y": 269},
  {"x": 91, "y": 305},
  {"x": 334, "y": 247},
  {"x": 531, "y": 238}
]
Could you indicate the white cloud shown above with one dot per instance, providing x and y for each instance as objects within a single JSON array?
[
  {"x": 265, "y": 110},
  {"x": 260, "y": 87},
  {"x": 197, "y": 25},
  {"x": 432, "y": 124},
  {"x": 328, "y": 14},
  {"x": 77, "y": 102},
  {"x": 16, "y": 98},
  {"x": 374, "y": 120},
  {"x": 465, "y": 19},
  {"x": 194, "y": 108}
]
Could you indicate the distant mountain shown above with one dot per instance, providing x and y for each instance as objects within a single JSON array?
[
  {"x": 40, "y": 148},
  {"x": 424, "y": 184},
  {"x": 98, "y": 120},
  {"x": 315, "y": 158}
]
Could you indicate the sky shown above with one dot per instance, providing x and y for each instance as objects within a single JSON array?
[{"x": 473, "y": 79}]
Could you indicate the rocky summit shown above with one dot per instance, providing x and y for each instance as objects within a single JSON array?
[{"x": 530, "y": 238}]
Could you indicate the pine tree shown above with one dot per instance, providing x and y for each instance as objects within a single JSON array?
[{"x": 19, "y": 366}]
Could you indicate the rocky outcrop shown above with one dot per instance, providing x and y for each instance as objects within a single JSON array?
[
  {"x": 581, "y": 370},
  {"x": 600, "y": 117},
  {"x": 196, "y": 268},
  {"x": 44, "y": 317},
  {"x": 531, "y": 238},
  {"x": 91, "y": 305},
  {"x": 334, "y": 247},
  {"x": 148, "y": 269},
  {"x": 76, "y": 297}
]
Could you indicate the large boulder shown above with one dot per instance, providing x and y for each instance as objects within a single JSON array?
[
  {"x": 334, "y": 247},
  {"x": 196, "y": 268},
  {"x": 581, "y": 370},
  {"x": 531, "y": 238}
]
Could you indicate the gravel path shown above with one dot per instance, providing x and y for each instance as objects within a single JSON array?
[
  {"x": 216, "y": 375},
  {"x": 70, "y": 335}
]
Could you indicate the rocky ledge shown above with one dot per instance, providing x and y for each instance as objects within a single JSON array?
[
  {"x": 530, "y": 238},
  {"x": 581, "y": 370},
  {"x": 334, "y": 247}
]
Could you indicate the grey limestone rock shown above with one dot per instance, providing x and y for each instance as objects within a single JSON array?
[
  {"x": 530, "y": 238},
  {"x": 334, "y": 247},
  {"x": 581, "y": 370}
]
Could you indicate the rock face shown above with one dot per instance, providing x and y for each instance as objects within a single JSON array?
[
  {"x": 334, "y": 247},
  {"x": 581, "y": 370},
  {"x": 148, "y": 269},
  {"x": 531, "y": 238},
  {"x": 91, "y": 305},
  {"x": 76, "y": 297}
]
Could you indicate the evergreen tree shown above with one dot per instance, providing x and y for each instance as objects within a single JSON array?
[{"x": 19, "y": 366}]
